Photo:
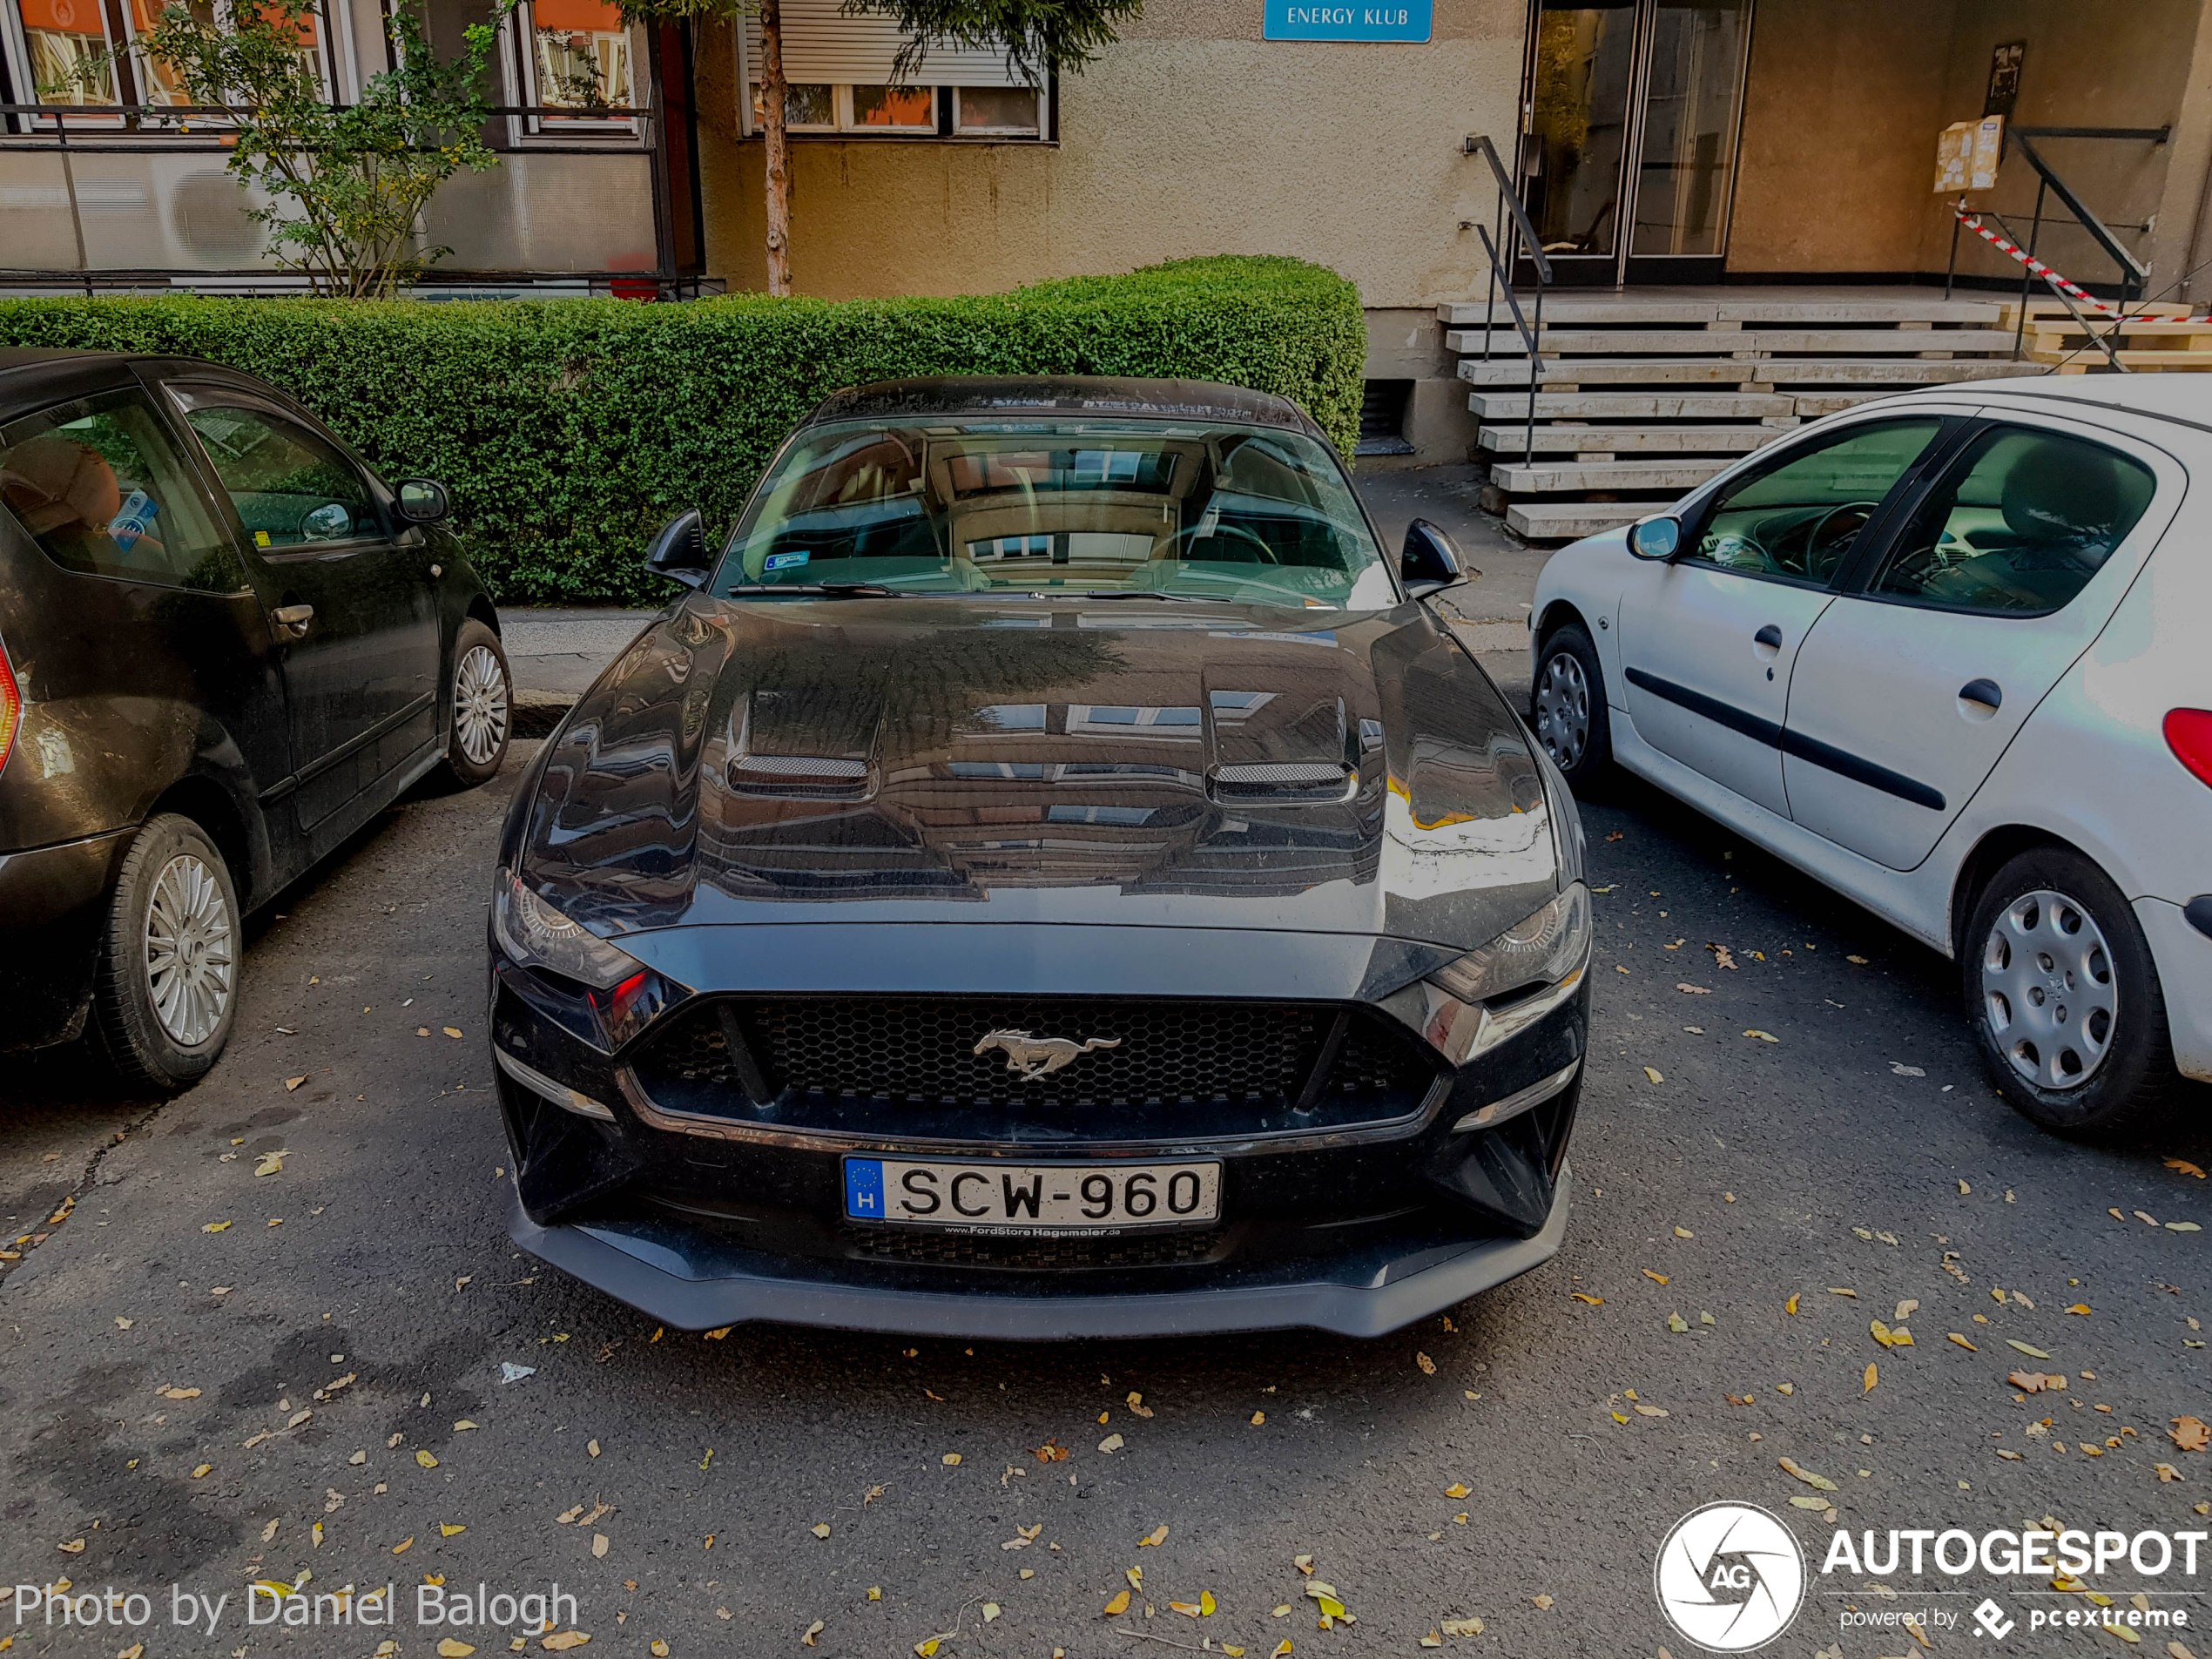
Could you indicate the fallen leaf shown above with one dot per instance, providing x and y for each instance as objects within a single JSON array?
[
  {"x": 291, "y": 1084},
  {"x": 1135, "y": 1403},
  {"x": 446, "y": 1529},
  {"x": 1791, "y": 1306},
  {"x": 1111, "y": 1444},
  {"x": 271, "y": 1163},
  {"x": 1458, "y": 1489},
  {"x": 1905, "y": 1310},
  {"x": 1652, "y": 1072},
  {"x": 1594, "y": 1301},
  {"x": 1053, "y": 1452},
  {"x": 2021, "y": 1347},
  {"x": 1820, "y": 1482},
  {"x": 454, "y": 1031},
  {"x": 1677, "y": 1324},
  {"x": 202, "y": 1472},
  {"x": 807, "y": 1640},
  {"x": 216, "y": 1227},
  {"x": 2190, "y": 1433},
  {"x": 449, "y": 1648},
  {"x": 426, "y": 1460},
  {"x": 1158, "y": 1536},
  {"x": 1543, "y": 1601},
  {"x": 1762, "y": 1036},
  {"x": 1649, "y": 1410},
  {"x": 600, "y": 1545},
  {"x": 74, "y": 1547},
  {"x": 820, "y": 1529},
  {"x": 1258, "y": 1418},
  {"x": 1962, "y": 1342},
  {"x": 1462, "y": 1627},
  {"x": 567, "y": 1639},
  {"x": 1656, "y": 1278},
  {"x": 1872, "y": 1378},
  {"x": 403, "y": 1545},
  {"x": 2167, "y": 1472},
  {"x": 1684, "y": 1232},
  {"x": 1687, "y": 989},
  {"x": 2185, "y": 1167},
  {"x": 2183, "y": 1227},
  {"x": 1119, "y": 1604},
  {"x": 1428, "y": 1365},
  {"x": 951, "y": 1459}
]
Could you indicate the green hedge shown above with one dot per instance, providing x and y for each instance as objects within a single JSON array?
[{"x": 567, "y": 430}]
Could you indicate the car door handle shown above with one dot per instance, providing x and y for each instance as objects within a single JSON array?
[
  {"x": 1979, "y": 699},
  {"x": 293, "y": 621},
  {"x": 1770, "y": 635}
]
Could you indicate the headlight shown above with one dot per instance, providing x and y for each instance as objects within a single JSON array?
[
  {"x": 1516, "y": 979},
  {"x": 536, "y": 935},
  {"x": 622, "y": 994}
]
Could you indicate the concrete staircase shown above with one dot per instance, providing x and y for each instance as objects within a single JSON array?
[{"x": 1642, "y": 396}]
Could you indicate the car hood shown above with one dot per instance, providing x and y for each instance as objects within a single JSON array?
[{"x": 956, "y": 759}]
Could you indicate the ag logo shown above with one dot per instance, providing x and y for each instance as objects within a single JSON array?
[{"x": 1730, "y": 1577}]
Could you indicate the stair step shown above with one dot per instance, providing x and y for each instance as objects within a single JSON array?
[
  {"x": 1635, "y": 405},
  {"x": 1547, "y": 521},
  {"x": 1772, "y": 371},
  {"x": 1627, "y": 440},
  {"x": 1560, "y": 308},
  {"x": 1895, "y": 342},
  {"x": 1557, "y": 477}
]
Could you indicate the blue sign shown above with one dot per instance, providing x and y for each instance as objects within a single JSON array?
[
  {"x": 864, "y": 1188},
  {"x": 1400, "y": 20}
]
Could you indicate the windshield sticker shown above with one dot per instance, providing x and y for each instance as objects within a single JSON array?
[
  {"x": 784, "y": 561},
  {"x": 134, "y": 520}
]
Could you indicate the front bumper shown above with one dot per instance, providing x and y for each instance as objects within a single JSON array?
[
  {"x": 678, "y": 1279},
  {"x": 1355, "y": 1218}
]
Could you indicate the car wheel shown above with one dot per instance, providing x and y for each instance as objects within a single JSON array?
[
  {"x": 168, "y": 981},
  {"x": 482, "y": 701},
  {"x": 2064, "y": 997},
  {"x": 1567, "y": 707}
]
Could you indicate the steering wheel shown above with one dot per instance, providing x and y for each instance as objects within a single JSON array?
[
  {"x": 1864, "y": 508},
  {"x": 1265, "y": 554}
]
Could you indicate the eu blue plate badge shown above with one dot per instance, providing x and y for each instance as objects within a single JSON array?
[{"x": 784, "y": 561}]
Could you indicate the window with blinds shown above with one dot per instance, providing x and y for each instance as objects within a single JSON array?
[{"x": 840, "y": 73}]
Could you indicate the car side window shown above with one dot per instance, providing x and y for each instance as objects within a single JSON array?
[
  {"x": 1795, "y": 517},
  {"x": 104, "y": 490},
  {"x": 290, "y": 487},
  {"x": 2018, "y": 523}
]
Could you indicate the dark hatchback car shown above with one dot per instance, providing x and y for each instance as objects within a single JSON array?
[
  {"x": 223, "y": 646},
  {"x": 1054, "y": 877}
]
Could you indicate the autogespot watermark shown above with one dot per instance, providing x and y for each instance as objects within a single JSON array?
[
  {"x": 1731, "y": 1577},
  {"x": 268, "y": 1603}
]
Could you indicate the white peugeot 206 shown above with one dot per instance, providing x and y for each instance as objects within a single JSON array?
[{"x": 1950, "y": 653}]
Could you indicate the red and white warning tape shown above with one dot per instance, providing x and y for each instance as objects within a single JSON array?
[{"x": 1972, "y": 222}]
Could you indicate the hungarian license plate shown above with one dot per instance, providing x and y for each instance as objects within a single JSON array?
[{"x": 1032, "y": 1198}]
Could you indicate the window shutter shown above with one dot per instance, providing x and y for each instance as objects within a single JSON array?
[{"x": 822, "y": 45}]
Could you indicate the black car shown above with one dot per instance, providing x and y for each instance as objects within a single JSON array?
[
  {"x": 223, "y": 646},
  {"x": 1054, "y": 877}
]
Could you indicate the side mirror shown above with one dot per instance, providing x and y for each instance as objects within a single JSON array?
[
  {"x": 1431, "y": 559},
  {"x": 421, "y": 501},
  {"x": 1657, "y": 537},
  {"x": 679, "y": 550}
]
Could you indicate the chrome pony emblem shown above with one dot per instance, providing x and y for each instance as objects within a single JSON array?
[{"x": 1034, "y": 1056}]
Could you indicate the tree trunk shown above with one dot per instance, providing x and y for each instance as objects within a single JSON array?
[{"x": 777, "y": 146}]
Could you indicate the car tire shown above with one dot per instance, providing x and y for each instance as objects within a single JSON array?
[
  {"x": 481, "y": 697},
  {"x": 165, "y": 988},
  {"x": 1567, "y": 708},
  {"x": 2064, "y": 999}
]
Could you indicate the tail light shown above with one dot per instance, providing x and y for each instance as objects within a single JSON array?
[
  {"x": 2188, "y": 734},
  {"x": 10, "y": 706}
]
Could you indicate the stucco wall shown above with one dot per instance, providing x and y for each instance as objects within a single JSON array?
[
  {"x": 1845, "y": 103},
  {"x": 1840, "y": 114},
  {"x": 1191, "y": 135}
]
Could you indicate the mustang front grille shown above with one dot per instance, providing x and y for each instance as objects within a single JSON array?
[{"x": 1194, "y": 1066}]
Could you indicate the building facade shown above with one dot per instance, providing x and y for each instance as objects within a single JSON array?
[{"x": 1653, "y": 141}]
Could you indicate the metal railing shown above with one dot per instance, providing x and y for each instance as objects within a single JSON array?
[{"x": 1523, "y": 235}]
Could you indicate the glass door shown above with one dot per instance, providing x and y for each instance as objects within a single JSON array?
[{"x": 1627, "y": 167}]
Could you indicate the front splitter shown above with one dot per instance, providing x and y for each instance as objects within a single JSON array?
[{"x": 668, "y": 1286}]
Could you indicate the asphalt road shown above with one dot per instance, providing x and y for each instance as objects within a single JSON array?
[{"x": 1838, "y": 1155}]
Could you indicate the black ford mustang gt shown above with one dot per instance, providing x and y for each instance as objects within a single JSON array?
[{"x": 1054, "y": 878}]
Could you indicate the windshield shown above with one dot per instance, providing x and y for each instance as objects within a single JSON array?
[{"x": 1249, "y": 514}]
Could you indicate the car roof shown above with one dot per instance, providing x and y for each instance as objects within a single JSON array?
[
  {"x": 1016, "y": 395},
  {"x": 2184, "y": 397}
]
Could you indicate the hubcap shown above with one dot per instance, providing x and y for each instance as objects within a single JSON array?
[
  {"x": 1563, "y": 709},
  {"x": 479, "y": 704},
  {"x": 2048, "y": 991},
  {"x": 188, "y": 951}
]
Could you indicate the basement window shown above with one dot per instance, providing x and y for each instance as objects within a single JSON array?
[{"x": 1382, "y": 418}]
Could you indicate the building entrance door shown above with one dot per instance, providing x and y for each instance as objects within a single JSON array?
[{"x": 1629, "y": 121}]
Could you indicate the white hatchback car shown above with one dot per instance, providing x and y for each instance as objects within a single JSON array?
[{"x": 1950, "y": 653}]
